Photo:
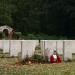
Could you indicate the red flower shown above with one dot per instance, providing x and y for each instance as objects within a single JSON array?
[{"x": 57, "y": 61}]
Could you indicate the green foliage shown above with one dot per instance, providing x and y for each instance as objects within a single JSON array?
[
  {"x": 38, "y": 47},
  {"x": 17, "y": 35},
  {"x": 45, "y": 36},
  {"x": 37, "y": 58},
  {"x": 51, "y": 17}
]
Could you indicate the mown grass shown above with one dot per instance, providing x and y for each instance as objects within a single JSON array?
[{"x": 8, "y": 67}]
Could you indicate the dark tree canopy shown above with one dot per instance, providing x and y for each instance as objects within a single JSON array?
[{"x": 52, "y": 17}]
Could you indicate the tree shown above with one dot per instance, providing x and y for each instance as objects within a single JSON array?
[{"x": 52, "y": 17}]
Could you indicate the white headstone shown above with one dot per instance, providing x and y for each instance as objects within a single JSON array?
[
  {"x": 1, "y": 44},
  {"x": 28, "y": 47},
  {"x": 15, "y": 47},
  {"x": 67, "y": 51},
  {"x": 72, "y": 46},
  {"x": 48, "y": 47},
  {"x": 51, "y": 46},
  {"x": 60, "y": 47},
  {"x": 42, "y": 45},
  {"x": 6, "y": 46}
]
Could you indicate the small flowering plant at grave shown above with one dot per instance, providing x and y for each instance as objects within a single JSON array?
[{"x": 37, "y": 58}]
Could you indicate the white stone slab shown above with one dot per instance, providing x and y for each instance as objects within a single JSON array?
[
  {"x": 72, "y": 46},
  {"x": 48, "y": 46},
  {"x": 28, "y": 48},
  {"x": 67, "y": 51},
  {"x": 15, "y": 47},
  {"x": 60, "y": 47},
  {"x": 42, "y": 45},
  {"x": 6, "y": 46},
  {"x": 1, "y": 44}
]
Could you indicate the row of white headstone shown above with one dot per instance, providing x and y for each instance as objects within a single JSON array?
[
  {"x": 27, "y": 47},
  {"x": 63, "y": 47},
  {"x": 14, "y": 47}
]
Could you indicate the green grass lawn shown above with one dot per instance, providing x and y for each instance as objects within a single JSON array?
[{"x": 7, "y": 67}]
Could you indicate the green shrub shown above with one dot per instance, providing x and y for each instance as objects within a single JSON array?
[
  {"x": 37, "y": 58},
  {"x": 38, "y": 47}
]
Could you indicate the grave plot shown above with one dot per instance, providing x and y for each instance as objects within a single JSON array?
[
  {"x": 48, "y": 47},
  {"x": 24, "y": 48},
  {"x": 15, "y": 47},
  {"x": 28, "y": 48},
  {"x": 67, "y": 51},
  {"x": 42, "y": 45},
  {"x": 6, "y": 46},
  {"x": 59, "y": 48}
]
